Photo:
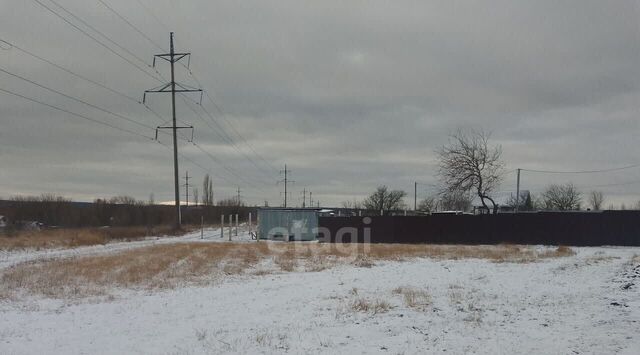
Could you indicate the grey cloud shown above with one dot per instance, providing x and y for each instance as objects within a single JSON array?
[{"x": 349, "y": 94}]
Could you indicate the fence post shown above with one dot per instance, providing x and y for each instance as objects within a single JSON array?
[
  {"x": 382, "y": 212},
  {"x": 222, "y": 226},
  {"x": 230, "y": 226},
  {"x": 236, "y": 224},
  {"x": 201, "y": 227}
]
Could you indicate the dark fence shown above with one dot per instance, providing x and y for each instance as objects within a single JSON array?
[
  {"x": 551, "y": 228},
  {"x": 85, "y": 214}
]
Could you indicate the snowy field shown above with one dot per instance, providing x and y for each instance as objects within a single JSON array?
[{"x": 588, "y": 303}]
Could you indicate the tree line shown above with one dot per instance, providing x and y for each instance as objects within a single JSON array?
[
  {"x": 470, "y": 168},
  {"x": 53, "y": 210}
]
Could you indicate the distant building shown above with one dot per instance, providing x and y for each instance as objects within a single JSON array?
[{"x": 506, "y": 203}]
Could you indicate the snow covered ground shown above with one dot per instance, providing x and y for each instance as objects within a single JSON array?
[{"x": 583, "y": 304}]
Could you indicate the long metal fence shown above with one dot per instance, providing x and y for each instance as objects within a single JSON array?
[{"x": 619, "y": 228}]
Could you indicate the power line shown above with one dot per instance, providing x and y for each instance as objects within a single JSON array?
[
  {"x": 76, "y": 99},
  {"x": 582, "y": 171},
  {"x": 153, "y": 15},
  {"x": 223, "y": 115},
  {"x": 214, "y": 159},
  {"x": 76, "y": 114},
  {"x": 82, "y": 77},
  {"x": 131, "y": 25},
  {"x": 611, "y": 185},
  {"x": 109, "y": 39},
  {"x": 98, "y": 32},
  {"x": 221, "y": 133},
  {"x": 96, "y": 40},
  {"x": 224, "y": 137}
]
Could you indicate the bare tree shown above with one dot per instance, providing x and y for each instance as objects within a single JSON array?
[
  {"x": 562, "y": 197},
  {"x": 524, "y": 203},
  {"x": 455, "y": 201},
  {"x": 596, "y": 200},
  {"x": 428, "y": 204},
  {"x": 385, "y": 200},
  {"x": 468, "y": 163},
  {"x": 195, "y": 196},
  {"x": 123, "y": 200},
  {"x": 231, "y": 202},
  {"x": 207, "y": 191},
  {"x": 355, "y": 204}
]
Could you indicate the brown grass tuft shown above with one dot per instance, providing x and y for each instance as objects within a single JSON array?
[
  {"x": 287, "y": 260},
  {"x": 413, "y": 297},
  {"x": 365, "y": 306}
]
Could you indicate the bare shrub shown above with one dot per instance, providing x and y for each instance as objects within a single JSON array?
[
  {"x": 320, "y": 262},
  {"x": 363, "y": 261},
  {"x": 560, "y": 251},
  {"x": 365, "y": 306},
  {"x": 286, "y": 261},
  {"x": 381, "y": 306},
  {"x": 271, "y": 340},
  {"x": 413, "y": 297},
  {"x": 360, "y": 305}
]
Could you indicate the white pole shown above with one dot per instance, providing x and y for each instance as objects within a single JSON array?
[
  {"x": 250, "y": 226},
  {"x": 518, "y": 192},
  {"x": 201, "y": 227},
  {"x": 382, "y": 212},
  {"x": 236, "y": 224},
  {"x": 221, "y": 226},
  {"x": 230, "y": 226}
]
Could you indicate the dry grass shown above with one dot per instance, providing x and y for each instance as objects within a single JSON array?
[
  {"x": 156, "y": 267},
  {"x": 365, "y": 254},
  {"x": 465, "y": 302},
  {"x": 173, "y": 265},
  {"x": 365, "y": 306},
  {"x": 287, "y": 261},
  {"x": 413, "y": 297},
  {"x": 75, "y": 237}
]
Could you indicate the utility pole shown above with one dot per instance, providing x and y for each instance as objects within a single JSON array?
[
  {"x": 304, "y": 197},
  {"x": 286, "y": 182},
  {"x": 173, "y": 57},
  {"x": 238, "y": 198},
  {"x": 310, "y": 198},
  {"x": 415, "y": 196},
  {"x": 518, "y": 191},
  {"x": 186, "y": 186}
]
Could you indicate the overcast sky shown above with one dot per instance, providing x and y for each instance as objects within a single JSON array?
[{"x": 349, "y": 94}]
